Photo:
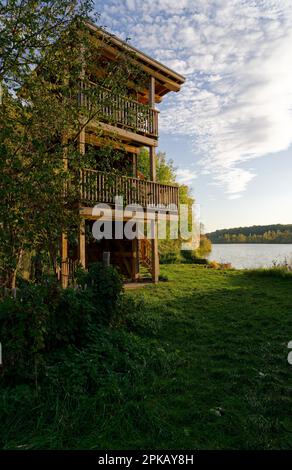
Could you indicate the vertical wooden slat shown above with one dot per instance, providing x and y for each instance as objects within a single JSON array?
[
  {"x": 96, "y": 186},
  {"x": 123, "y": 110}
]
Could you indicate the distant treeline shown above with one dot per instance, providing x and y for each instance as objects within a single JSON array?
[{"x": 256, "y": 234}]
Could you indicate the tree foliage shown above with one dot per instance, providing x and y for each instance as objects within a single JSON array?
[
  {"x": 46, "y": 54},
  {"x": 166, "y": 174},
  {"x": 256, "y": 234}
]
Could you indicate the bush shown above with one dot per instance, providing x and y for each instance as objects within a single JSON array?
[
  {"x": 205, "y": 247},
  {"x": 68, "y": 320},
  {"x": 169, "y": 251},
  {"x": 189, "y": 256},
  {"x": 169, "y": 258},
  {"x": 87, "y": 394},
  {"x": 45, "y": 318},
  {"x": 23, "y": 330},
  {"x": 103, "y": 289}
]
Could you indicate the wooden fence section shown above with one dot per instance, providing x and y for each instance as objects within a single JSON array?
[
  {"x": 120, "y": 110},
  {"x": 98, "y": 187}
]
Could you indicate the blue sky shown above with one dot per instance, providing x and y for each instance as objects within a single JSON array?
[{"x": 229, "y": 130}]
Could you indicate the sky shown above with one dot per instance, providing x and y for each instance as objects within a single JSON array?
[{"x": 229, "y": 129}]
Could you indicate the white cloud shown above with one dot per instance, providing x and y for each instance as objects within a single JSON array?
[
  {"x": 237, "y": 101},
  {"x": 185, "y": 175},
  {"x": 234, "y": 196}
]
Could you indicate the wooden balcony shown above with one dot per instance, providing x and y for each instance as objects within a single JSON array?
[
  {"x": 98, "y": 187},
  {"x": 120, "y": 111}
]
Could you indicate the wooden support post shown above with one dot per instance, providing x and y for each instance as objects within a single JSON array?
[
  {"x": 82, "y": 141},
  {"x": 64, "y": 240},
  {"x": 152, "y": 93},
  {"x": 154, "y": 240},
  {"x": 152, "y": 148},
  {"x": 135, "y": 165},
  {"x": 151, "y": 102},
  {"x": 152, "y": 155},
  {"x": 154, "y": 255},
  {"x": 135, "y": 259},
  {"x": 64, "y": 262},
  {"x": 82, "y": 241},
  {"x": 106, "y": 257},
  {"x": 82, "y": 244}
]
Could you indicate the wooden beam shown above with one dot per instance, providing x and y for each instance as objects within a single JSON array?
[
  {"x": 88, "y": 214},
  {"x": 100, "y": 142},
  {"x": 127, "y": 135},
  {"x": 171, "y": 79}
]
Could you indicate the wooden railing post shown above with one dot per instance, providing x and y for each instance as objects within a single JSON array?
[
  {"x": 124, "y": 111},
  {"x": 96, "y": 186}
]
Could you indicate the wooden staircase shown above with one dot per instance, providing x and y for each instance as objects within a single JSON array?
[{"x": 145, "y": 254}]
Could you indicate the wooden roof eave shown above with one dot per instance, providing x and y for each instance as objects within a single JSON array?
[{"x": 170, "y": 80}]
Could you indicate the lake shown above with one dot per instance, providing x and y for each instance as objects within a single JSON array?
[{"x": 248, "y": 255}]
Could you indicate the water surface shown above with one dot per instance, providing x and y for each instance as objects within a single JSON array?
[{"x": 251, "y": 255}]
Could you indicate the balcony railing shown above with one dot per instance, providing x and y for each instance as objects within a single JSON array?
[
  {"x": 98, "y": 187},
  {"x": 120, "y": 110}
]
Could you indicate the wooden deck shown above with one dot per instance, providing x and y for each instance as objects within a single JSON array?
[
  {"x": 99, "y": 187},
  {"x": 120, "y": 110}
]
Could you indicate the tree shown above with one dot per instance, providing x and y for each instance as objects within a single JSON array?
[
  {"x": 166, "y": 174},
  {"x": 165, "y": 171},
  {"x": 39, "y": 44},
  {"x": 43, "y": 49}
]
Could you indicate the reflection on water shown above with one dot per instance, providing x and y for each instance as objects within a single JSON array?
[{"x": 247, "y": 255}]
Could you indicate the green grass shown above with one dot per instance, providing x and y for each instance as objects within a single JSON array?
[
  {"x": 203, "y": 367},
  {"x": 232, "y": 388}
]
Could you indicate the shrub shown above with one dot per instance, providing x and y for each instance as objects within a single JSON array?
[
  {"x": 103, "y": 291},
  {"x": 45, "y": 318},
  {"x": 69, "y": 319},
  {"x": 23, "y": 330},
  {"x": 189, "y": 256},
  {"x": 169, "y": 251},
  {"x": 205, "y": 247},
  {"x": 169, "y": 258}
]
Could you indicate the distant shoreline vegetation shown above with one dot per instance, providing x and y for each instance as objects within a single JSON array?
[{"x": 255, "y": 234}]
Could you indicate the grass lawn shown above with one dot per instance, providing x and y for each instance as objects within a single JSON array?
[
  {"x": 232, "y": 385},
  {"x": 202, "y": 365}
]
